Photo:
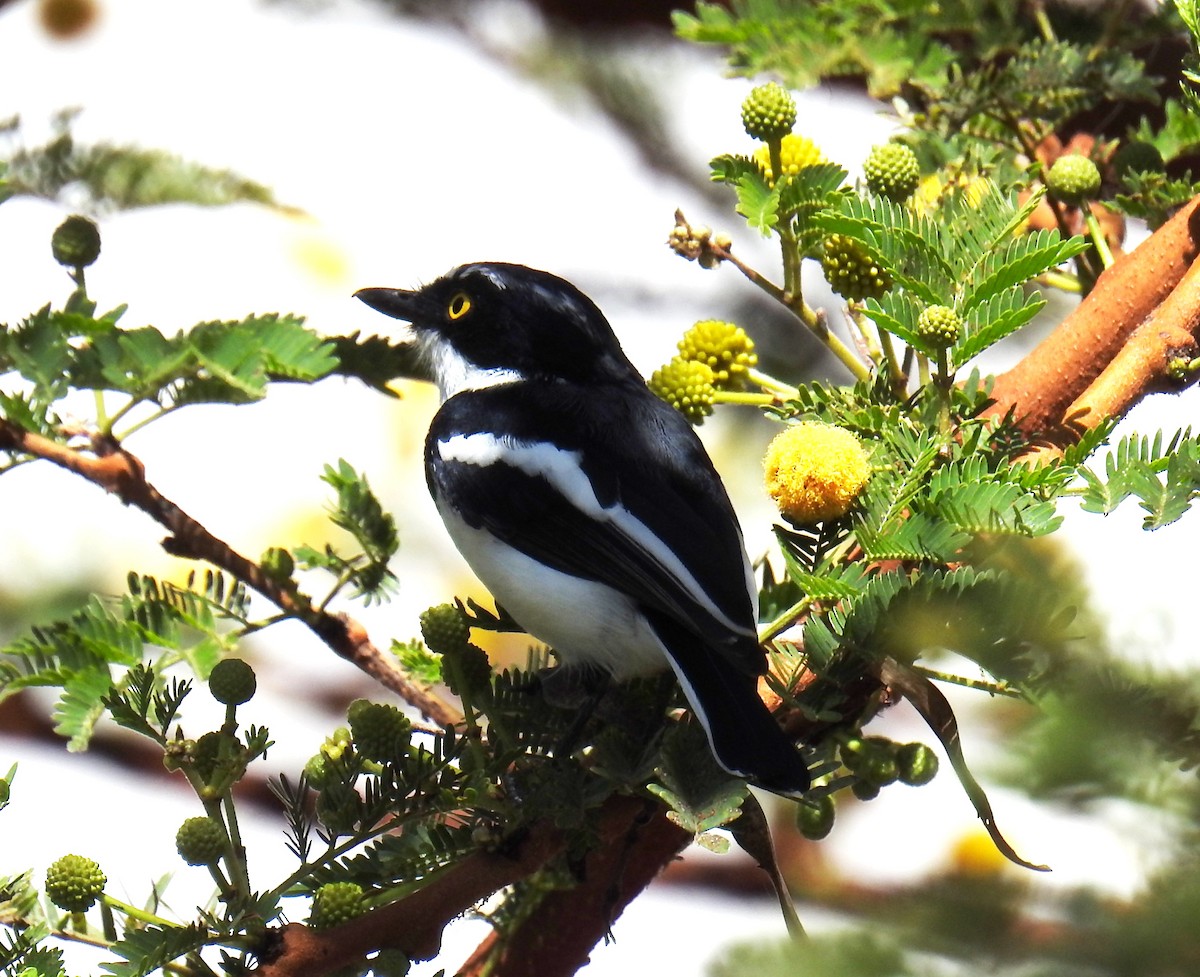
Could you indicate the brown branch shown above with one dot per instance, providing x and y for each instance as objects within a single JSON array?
[
  {"x": 614, "y": 874},
  {"x": 120, "y": 473},
  {"x": 1044, "y": 385},
  {"x": 557, "y": 940},
  {"x": 1144, "y": 364}
]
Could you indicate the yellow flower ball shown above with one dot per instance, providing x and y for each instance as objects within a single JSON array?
[
  {"x": 815, "y": 471},
  {"x": 795, "y": 153}
]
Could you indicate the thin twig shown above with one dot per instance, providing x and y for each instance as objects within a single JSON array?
[{"x": 112, "y": 468}]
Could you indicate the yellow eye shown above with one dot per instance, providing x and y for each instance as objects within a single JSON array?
[{"x": 459, "y": 306}]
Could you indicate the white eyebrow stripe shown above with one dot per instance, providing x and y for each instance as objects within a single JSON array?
[{"x": 562, "y": 469}]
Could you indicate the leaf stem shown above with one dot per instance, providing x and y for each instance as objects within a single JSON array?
[
  {"x": 785, "y": 620},
  {"x": 141, "y": 915},
  {"x": 1096, "y": 232}
]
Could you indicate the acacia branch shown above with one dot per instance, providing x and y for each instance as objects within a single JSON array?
[
  {"x": 1145, "y": 364},
  {"x": 414, "y": 925},
  {"x": 557, "y": 940},
  {"x": 1045, "y": 385},
  {"x": 120, "y": 473}
]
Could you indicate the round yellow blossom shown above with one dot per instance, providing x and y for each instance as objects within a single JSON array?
[
  {"x": 795, "y": 153},
  {"x": 815, "y": 471}
]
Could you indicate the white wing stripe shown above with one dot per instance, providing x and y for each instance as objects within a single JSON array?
[{"x": 562, "y": 470}]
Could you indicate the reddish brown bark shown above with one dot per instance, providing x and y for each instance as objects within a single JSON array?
[
  {"x": 1045, "y": 384},
  {"x": 558, "y": 939}
]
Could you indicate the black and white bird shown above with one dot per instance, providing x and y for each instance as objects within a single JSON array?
[{"x": 588, "y": 506}]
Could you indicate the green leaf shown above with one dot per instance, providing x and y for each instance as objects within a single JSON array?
[
  {"x": 991, "y": 321},
  {"x": 81, "y": 706},
  {"x": 359, "y": 512},
  {"x": 147, "y": 949},
  {"x": 105, "y": 176},
  {"x": 377, "y": 361},
  {"x": 758, "y": 202},
  {"x": 1165, "y": 478},
  {"x": 995, "y": 507},
  {"x": 1005, "y": 265}
]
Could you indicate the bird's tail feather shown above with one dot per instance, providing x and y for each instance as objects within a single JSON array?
[{"x": 744, "y": 736}]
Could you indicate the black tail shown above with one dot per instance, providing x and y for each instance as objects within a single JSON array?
[{"x": 744, "y": 736}]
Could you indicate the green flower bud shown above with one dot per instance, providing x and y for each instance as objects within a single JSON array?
[
  {"x": 445, "y": 629},
  {"x": 200, "y": 841},
  {"x": 851, "y": 271},
  {"x": 721, "y": 346},
  {"x": 1073, "y": 179},
  {"x": 814, "y": 818},
  {"x": 852, "y": 753},
  {"x": 232, "y": 682},
  {"x": 892, "y": 171},
  {"x": 769, "y": 112},
  {"x": 879, "y": 769},
  {"x": 74, "y": 883},
  {"x": 864, "y": 790},
  {"x": 939, "y": 325},
  {"x": 316, "y": 770},
  {"x": 335, "y": 903},
  {"x": 380, "y": 731},
  {"x": 917, "y": 764},
  {"x": 76, "y": 242},
  {"x": 687, "y": 386},
  {"x": 1137, "y": 157}
]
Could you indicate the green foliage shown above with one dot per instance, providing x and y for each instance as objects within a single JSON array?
[
  {"x": 359, "y": 513},
  {"x": 1164, "y": 476},
  {"x": 121, "y": 177},
  {"x": 1042, "y": 84},
  {"x": 804, "y": 43},
  {"x": 83, "y": 654}
]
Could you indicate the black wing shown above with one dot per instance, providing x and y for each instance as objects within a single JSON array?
[{"x": 662, "y": 529}]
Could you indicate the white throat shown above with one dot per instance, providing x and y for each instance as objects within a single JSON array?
[{"x": 455, "y": 374}]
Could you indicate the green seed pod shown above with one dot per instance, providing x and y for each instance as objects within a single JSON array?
[
  {"x": 687, "y": 386},
  {"x": 892, "y": 171},
  {"x": 769, "y": 112},
  {"x": 917, "y": 764},
  {"x": 1073, "y": 179},
  {"x": 232, "y": 682},
  {"x": 852, "y": 753},
  {"x": 200, "y": 841},
  {"x": 879, "y": 769},
  {"x": 74, "y": 883},
  {"x": 814, "y": 818},
  {"x": 76, "y": 242}
]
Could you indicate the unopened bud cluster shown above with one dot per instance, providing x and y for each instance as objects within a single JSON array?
[
  {"x": 698, "y": 243},
  {"x": 769, "y": 112},
  {"x": 687, "y": 385},
  {"x": 851, "y": 271}
]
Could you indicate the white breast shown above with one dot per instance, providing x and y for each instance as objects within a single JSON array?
[{"x": 584, "y": 621}]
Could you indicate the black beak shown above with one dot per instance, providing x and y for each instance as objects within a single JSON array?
[{"x": 397, "y": 303}]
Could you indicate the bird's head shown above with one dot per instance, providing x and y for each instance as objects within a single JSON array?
[{"x": 488, "y": 323}]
